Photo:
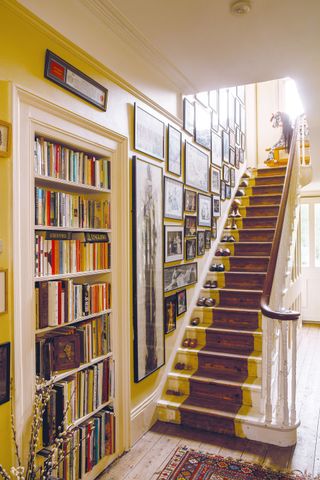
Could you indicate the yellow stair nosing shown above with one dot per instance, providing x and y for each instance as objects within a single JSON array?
[
  {"x": 223, "y": 330},
  {"x": 251, "y": 356},
  {"x": 247, "y": 385},
  {"x": 257, "y": 418}
]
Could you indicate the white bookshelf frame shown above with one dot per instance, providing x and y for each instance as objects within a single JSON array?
[{"x": 35, "y": 115}]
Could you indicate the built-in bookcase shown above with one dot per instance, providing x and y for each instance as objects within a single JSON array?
[{"x": 69, "y": 317}]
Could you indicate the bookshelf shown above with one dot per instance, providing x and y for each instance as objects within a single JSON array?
[{"x": 36, "y": 117}]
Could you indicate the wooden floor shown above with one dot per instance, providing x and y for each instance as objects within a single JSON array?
[{"x": 151, "y": 453}]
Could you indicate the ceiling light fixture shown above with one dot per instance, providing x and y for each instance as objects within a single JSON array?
[{"x": 240, "y": 7}]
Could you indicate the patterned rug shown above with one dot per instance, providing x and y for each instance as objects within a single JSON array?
[{"x": 187, "y": 464}]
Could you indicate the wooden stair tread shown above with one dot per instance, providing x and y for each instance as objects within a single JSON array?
[
  {"x": 260, "y": 217},
  {"x": 234, "y": 272},
  {"x": 251, "y": 383},
  {"x": 212, "y": 353},
  {"x": 246, "y": 243},
  {"x": 225, "y": 330},
  {"x": 243, "y": 257},
  {"x": 248, "y": 290},
  {"x": 254, "y": 416}
]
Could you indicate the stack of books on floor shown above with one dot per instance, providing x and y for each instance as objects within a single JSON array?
[
  {"x": 60, "y": 209},
  {"x": 59, "y": 161}
]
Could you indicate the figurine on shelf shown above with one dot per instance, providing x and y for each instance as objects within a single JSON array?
[{"x": 280, "y": 119}]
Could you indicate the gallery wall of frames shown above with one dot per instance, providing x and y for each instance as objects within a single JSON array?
[{"x": 176, "y": 206}]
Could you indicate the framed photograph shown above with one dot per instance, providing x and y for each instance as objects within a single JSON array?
[
  {"x": 241, "y": 92},
  {"x": 207, "y": 239},
  {"x": 215, "y": 180},
  {"x": 173, "y": 198},
  {"x": 204, "y": 210},
  {"x": 237, "y": 157},
  {"x": 173, "y": 243},
  {"x": 223, "y": 190},
  {"x": 214, "y": 229},
  {"x": 231, "y": 111},
  {"x": 174, "y": 150},
  {"x": 190, "y": 226},
  {"x": 216, "y": 149},
  {"x": 226, "y": 173},
  {"x": 4, "y": 373},
  {"x": 149, "y": 353},
  {"x": 216, "y": 206},
  {"x": 213, "y": 100},
  {"x": 180, "y": 276},
  {"x": 232, "y": 157},
  {"x": 149, "y": 133},
  {"x": 232, "y": 177},
  {"x": 190, "y": 201},
  {"x": 228, "y": 191},
  {"x": 200, "y": 243},
  {"x": 223, "y": 108},
  {"x": 196, "y": 168},
  {"x": 203, "y": 97},
  {"x": 5, "y": 139},
  {"x": 202, "y": 126},
  {"x": 181, "y": 302},
  {"x": 188, "y": 116},
  {"x": 170, "y": 313},
  {"x": 191, "y": 248},
  {"x": 225, "y": 146},
  {"x": 241, "y": 156},
  {"x": 215, "y": 121}
]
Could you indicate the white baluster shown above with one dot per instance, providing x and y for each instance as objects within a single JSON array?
[{"x": 294, "y": 373}]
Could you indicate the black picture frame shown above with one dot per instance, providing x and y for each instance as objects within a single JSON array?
[
  {"x": 174, "y": 151},
  {"x": 232, "y": 177},
  {"x": 207, "y": 239},
  {"x": 196, "y": 168},
  {"x": 173, "y": 243},
  {"x": 188, "y": 116},
  {"x": 149, "y": 133},
  {"x": 223, "y": 191},
  {"x": 179, "y": 276},
  {"x": 5, "y": 375},
  {"x": 216, "y": 206},
  {"x": 200, "y": 243},
  {"x": 170, "y": 313},
  {"x": 191, "y": 249},
  {"x": 215, "y": 179},
  {"x": 225, "y": 146},
  {"x": 190, "y": 225},
  {"x": 203, "y": 126},
  {"x": 70, "y": 78},
  {"x": 216, "y": 149},
  {"x": 204, "y": 210},
  {"x": 190, "y": 201},
  {"x": 173, "y": 199},
  {"x": 147, "y": 191},
  {"x": 181, "y": 302}
]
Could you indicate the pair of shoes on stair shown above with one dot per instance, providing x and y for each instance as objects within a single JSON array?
[
  {"x": 195, "y": 321},
  {"x": 228, "y": 238},
  {"x": 210, "y": 284},
  {"x": 190, "y": 343},
  {"x": 217, "y": 267},
  {"x": 223, "y": 252},
  {"x": 206, "y": 302},
  {"x": 182, "y": 366}
]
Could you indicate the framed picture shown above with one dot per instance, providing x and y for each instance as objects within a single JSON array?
[
  {"x": 226, "y": 173},
  {"x": 225, "y": 146},
  {"x": 243, "y": 141},
  {"x": 232, "y": 158},
  {"x": 149, "y": 353},
  {"x": 228, "y": 191},
  {"x": 216, "y": 149},
  {"x": 190, "y": 201},
  {"x": 4, "y": 373},
  {"x": 223, "y": 190},
  {"x": 204, "y": 210},
  {"x": 149, "y": 133},
  {"x": 174, "y": 150},
  {"x": 213, "y": 99},
  {"x": 181, "y": 302},
  {"x": 203, "y": 97},
  {"x": 238, "y": 136},
  {"x": 237, "y": 117},
  {"x": 231, "y": 111},
  {"x": 170, "y": 313},
  {"x": 215, "y": 121},
  {"x": 232, "y": 139},
  {"x": 214, "y": 228},
  {"x": 190, "y": 225},
  {"x": 242, "y": 119},
  {"x": 202, "y": 126},
  {"x": 215, "y": 180},
  {"x": 173, "y": 198},
  {"x": 223, "y": 108},
  {"x": 173, "y": 243},
  {"x": 241, "y": 156},
  {"x": 237, "y": 157},
  {"x": 196, "y": 168},
  {"x": 188, "y": 116},
  {"x": 200, "y": 243},
  {"x": 241, "y": 92},
  {"x": 232, "y": 177},
  {"x": 207, "y": 239},
  {"x": 180, "y": 276},
  {"x": 5, "y": 139},
  {"x": 216, "y": 207},
  {"x": 191, "y": 248}
]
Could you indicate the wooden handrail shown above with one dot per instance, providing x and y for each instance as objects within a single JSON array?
[{"x": 265, "y": 298}]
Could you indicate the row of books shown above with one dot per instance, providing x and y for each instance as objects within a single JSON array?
[
  {"x": 71, "y": 346},
  {"x": 61, "y": 301},
  {"x": 63, "y": 162},
  {"x": 86, "y": 446},
  {"x": 76, "y": 397},
  {"x": 60, "y": 209},
  {"x": 70, "y": 255}
]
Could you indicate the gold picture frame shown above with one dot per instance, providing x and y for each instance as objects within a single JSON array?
[{"x": 5, "y": 138}]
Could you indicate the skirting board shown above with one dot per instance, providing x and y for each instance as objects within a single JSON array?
[{"x": 143, "y": 416}]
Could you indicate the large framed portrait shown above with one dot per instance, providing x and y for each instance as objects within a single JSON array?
[
  {"x": 204, "y": 210},
  {"x": 215, "y": 180},
  {"x": 196, "y": 168},
  {"x": 203, "y": 126},
  {"x": 190, "y": 225},
  {"x": 191, "y": 248},
  {"x": 149, "y": 348},
  {"x": 170, "y": 313},
  {"x": 190, "y": 201},
  {"x": 200, "y": 243},
  {"x": 216, "y": 149},
  {"x": 216, "y": 206},
  {"x": 188, "y": 116},
  {"x": 149, "y": 133},
  {"x": 223, "y": 108},
  {"x": 181, "y": 302},
  {"x": 173, "y": 243},
  {"x": 225, "y": 146},
  {"x": 4, "y": 373},
  {"x": 173, "y": 198},
  {"x": 174, "y": 150},
  {"x": 180, "y": 276}
]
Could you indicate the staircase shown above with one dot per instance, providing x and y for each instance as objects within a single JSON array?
[{"x": 215, "y": 384}]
